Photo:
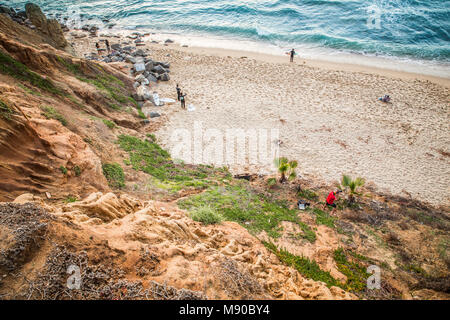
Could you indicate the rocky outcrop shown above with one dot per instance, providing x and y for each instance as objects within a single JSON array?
[{"x": 49, "y": 27}]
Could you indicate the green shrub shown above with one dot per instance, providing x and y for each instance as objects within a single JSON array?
[
  {"x": 271, "y": 182},
  {"x": 5, "y": 111},
  {"x": 253, "y": 211},
  {"x": 356, "y": 273},
  {"x": 205, "y": 215},
  {"x": 308, "y": 194},
  {"x": 141, "y": 114},
  {"x": 150, "y": 158},
  {"x": 52, "y": 113},
  {"x": 77, "y": 171},
  {"x": 109, "y": 84},
  {"x": 324, "y": 218},
  {"x": 19, "y": 71},
  {"x": 309, "y": 269},
  {"x": 70, "y": 199},
  {"x": 63, "y": 170},
  {"x": 113, "y": 172},
  {"x": 307, "y": 232},
  {"x": 109, "y": 123}
]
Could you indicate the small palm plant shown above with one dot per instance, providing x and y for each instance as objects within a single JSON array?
[
  {"x": 286, "y": 168},
  {"x": 352, "y": 186}
]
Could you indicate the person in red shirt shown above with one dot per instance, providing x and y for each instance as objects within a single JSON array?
[{"x": 331, "y": 198}]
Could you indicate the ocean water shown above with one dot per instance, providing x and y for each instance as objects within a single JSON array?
[{"x": 415, "y": 31}]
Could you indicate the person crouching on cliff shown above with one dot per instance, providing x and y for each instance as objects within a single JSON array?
[{"x": 332, "y": 196}]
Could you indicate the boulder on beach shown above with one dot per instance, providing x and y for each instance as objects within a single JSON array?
[
  {"x": 139, "y": 78},
  {"x": 164, "y": 77},
  {"x": 139, "y": 67},
  {"x": 165, "y": 65},
  {"x": 116, "y": 46},
  {"x": 49, "y": 27},
  {"x": 152, "y": 78},
  {"x": 149, "y": 66},
  {"x": 144, "y": 93},
  {"x": 159, "y": 69},
  {"x": 130, "y": 59}
]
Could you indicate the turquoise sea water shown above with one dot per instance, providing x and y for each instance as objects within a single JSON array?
[{"x": 407, "y": 29}]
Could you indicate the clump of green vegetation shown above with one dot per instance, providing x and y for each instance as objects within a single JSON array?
[
  {"x": 63, "y": 170},
  {"x": 308, "y": 194},
  {"x": 5, "y": 111},
  {"x": 141, "y": 114},
  {"x": 324, "y": 218},
  {"x": 352, "y": 186},
  {"x": 19, "y": 71},
  {"x": 87, "y": 140},
  {"x": 51, "y": 113},
  {"x": 443, "y": 248},
  {"x": 115, "y": 106},
  {"x": 28, "y": 90},
  {"x": 108, "y": 84},
  {"x": 72, "y": 67},
  {"x": 309, "y": 269},
  {"x": 77, "y": 171},
  {"x": 286, "y": 168},
  {"x": 134, "y": 102},
  {"x": 271, "y": 182},
  {"x": 151, "y": 136},
  {"x": 150, "y": 158},
  {"x": 356, "y": 273},
  {"x": 109, "y": 123},
  {"x": 308, "y": 233},
  {"x": 113, "y": 172},
  {"x": 415, "y": 268},
  {"x": 70, "y": 199},
  {"x": 75, "y": 101},
  {"x": 253, "y": 211},
  {"x": 206, "y": 215}
]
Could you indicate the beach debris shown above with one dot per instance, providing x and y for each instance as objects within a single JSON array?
[
  {"x": 167, "y": 100},
  {"x": 302, "y": 204},
  {"x": 190, "y": 108},
  {"x": 154, "y": 114}
]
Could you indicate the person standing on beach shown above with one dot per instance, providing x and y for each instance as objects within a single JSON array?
[
  {"x": 178, "y": 92},
  {"x": 98, "y": 47},
  {"x": 183, "y": 100},
  {"x": 292, "y": 53}
]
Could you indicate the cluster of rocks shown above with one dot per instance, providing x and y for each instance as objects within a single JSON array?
[
  {"x": 33, "y": 18},
  {"x": 19, "y": 16}
]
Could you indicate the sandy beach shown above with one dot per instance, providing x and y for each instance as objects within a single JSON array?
[{"x": 328, "y": 115}]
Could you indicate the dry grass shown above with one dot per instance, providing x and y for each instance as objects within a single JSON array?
[{"x": 237, "y": 283}]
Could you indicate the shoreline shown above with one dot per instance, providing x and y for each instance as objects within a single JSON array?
[
  {"x": 321, "y": 58},
  {"x": 315, "y": 63}
]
